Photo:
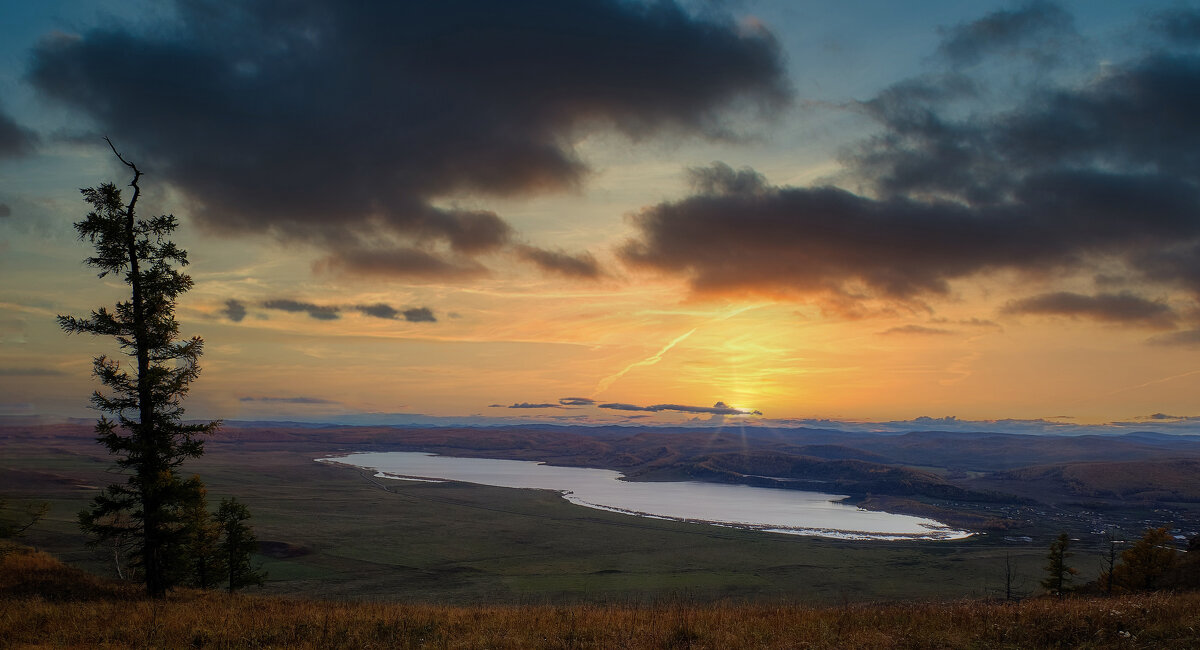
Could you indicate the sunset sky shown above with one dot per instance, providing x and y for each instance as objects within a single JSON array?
[{"x": 869, "y": 213}]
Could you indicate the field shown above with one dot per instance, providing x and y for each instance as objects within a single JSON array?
[
  {"x": 43, "y": 603},
  {"x": 335, "y": 532}
]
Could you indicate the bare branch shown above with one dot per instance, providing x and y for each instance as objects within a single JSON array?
[{"x": 137, "y": 174}]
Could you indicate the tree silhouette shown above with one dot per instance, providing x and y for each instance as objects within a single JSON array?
[
  {"x": 1149, "y": 564},
  {"x": 146, "y": 431},
  {"x": 238, "y": 543},
  {"x": 204, "y": 563},
  {"x": 1058, "y": 574}
]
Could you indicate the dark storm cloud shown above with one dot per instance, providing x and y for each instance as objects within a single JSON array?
[
  {"x": 1052, "y": 179},
  {"x": 576, "y": 401},
  {"x": 785, "y": 239},
  {"x": 340, "y": 123},
  {"x": 14, "y": 140},
  {"x": 234, "y": 310},
  {"x": 1106, "y": 307},
  {"x": 288, "y": 400},
  {"x": 582, "y": 265},
  {"x": 720, "y": 408},
  {"x": 1004, "y": 31},
  {"x": 319, "y": 312}
]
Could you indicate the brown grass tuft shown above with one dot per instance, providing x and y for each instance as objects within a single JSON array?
[{"x": 28, "y": 572}]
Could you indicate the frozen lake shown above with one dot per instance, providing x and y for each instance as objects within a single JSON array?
[{"x": 776, "y": 510}]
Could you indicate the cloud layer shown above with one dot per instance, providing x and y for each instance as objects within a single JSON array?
[
  {"x": 1072, "y": 177},
  {"x": 342, "y": 123}
]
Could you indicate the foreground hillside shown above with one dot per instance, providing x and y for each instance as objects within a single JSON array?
[{"x": 46, "y": 604}]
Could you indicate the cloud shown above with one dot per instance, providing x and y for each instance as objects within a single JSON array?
[
  {"x": 379, "y": 310},
  {"x": 916, "y": 329},
  {"x": 288, "y": 400},
  {"x": 387, "y": 312},
  {"x": 1169, "y": 418},
  {"x": 1180, "y": 25},
  {"x": 576, "y": 401},
  {"x": 400, "y": 261},
  {"x": 617, "y": 406},
  {"x": 1004, "y": 32},
  {"x": 234, "y": 310},
  {"x": 319, "y": 312},
  {"x": 1048, "y": 179},
  {"x": 419, "y": 315},
  {"x": 1123, "y": 308},
  {"x": 527, "y": 405},
  {"x": 582, "y": 265},
  {"x": 347, "y": 124},
  {"x": 31, "y": 372},
  {"x": 720, "y": 408},
  {"x": 5, "y": 211},
  {"x": 15, "y": 141},
  {"x": 1184, "y": 338}
]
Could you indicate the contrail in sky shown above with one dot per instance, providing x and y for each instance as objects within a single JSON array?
[
  {"x": 648, "y": 361},
  {"x": 1153, "y": 382},
  {"x": 657, "y": 356}
]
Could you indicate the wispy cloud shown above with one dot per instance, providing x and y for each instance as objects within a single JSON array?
[
  {"x": 1123, "y": 308},
  {"x": 319, "y": 312},
  {"x": 581, "y": 265},
  {"x": 287, "y": 400},
  {"x": 919, "y": 330},
  {"x": 720, "y": 408},
  {"x": 31, "y": 372}
]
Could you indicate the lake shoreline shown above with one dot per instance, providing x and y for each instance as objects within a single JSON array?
[{"x": 769, "y": 501}]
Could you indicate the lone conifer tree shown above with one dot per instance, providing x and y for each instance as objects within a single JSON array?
[
  {"x": 238, "y": 543},
  {"x": 1058, "y": 574},
  {"x": 146, "y": 432}
]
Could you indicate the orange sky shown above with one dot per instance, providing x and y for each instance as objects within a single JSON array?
[{"x": 788, "y": 240}]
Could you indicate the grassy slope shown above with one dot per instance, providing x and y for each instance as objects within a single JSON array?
[{"x": 45, "y": 604}]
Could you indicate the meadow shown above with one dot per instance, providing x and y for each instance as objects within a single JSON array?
[
  {"x": 333, "y": 532},
  {"x": 45, "y": 604}
]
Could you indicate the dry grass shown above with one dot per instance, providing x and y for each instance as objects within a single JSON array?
[{"x": 44, "y": 604}]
